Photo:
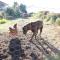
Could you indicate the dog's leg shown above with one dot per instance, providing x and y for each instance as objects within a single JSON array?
[
  {"x": 36, "y": 34},
  {"x": 41, "y": 31},
  {"x": 32, "y": 37}
]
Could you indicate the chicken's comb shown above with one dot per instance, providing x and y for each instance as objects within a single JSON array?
[{"x": 15, "y": 25}]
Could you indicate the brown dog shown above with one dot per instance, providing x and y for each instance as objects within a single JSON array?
[{"x": 34, "y": 27}]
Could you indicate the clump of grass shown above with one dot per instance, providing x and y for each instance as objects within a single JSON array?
[
  {"x": 2, "y": 21},
  {"x": 58, "y": 21},
  {"x": 52, "y": 21}
]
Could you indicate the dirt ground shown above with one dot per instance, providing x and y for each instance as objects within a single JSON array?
[{"x": 51, "y": 34}]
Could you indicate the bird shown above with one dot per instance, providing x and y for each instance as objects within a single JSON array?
[{"x": 13, "y": 30}]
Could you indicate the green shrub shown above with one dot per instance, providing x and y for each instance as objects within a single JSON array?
[
  {"x": 10, "y": 12},
  {"x": 58, "y": 21},
  {"x": 2, "y": 21},
  {"x": 48, "y": 18},
  {"x": 52, "y": 21}
]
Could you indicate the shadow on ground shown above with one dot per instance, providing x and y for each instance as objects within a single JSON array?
[{"x": 15, "y": 49}]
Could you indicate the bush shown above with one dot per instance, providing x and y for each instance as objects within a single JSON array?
[
  {"x": 10, "y": 12},
  {"x": 52, "y": 21},
  {"x": 2, "y": 21},
  {"x": 58, "y": 21},
  {"x": 36, "y": 16},
  {"x": 17, "y": 14},
  {"x": 23, "y": 8},
  {"x": 48, "y": 19}
]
